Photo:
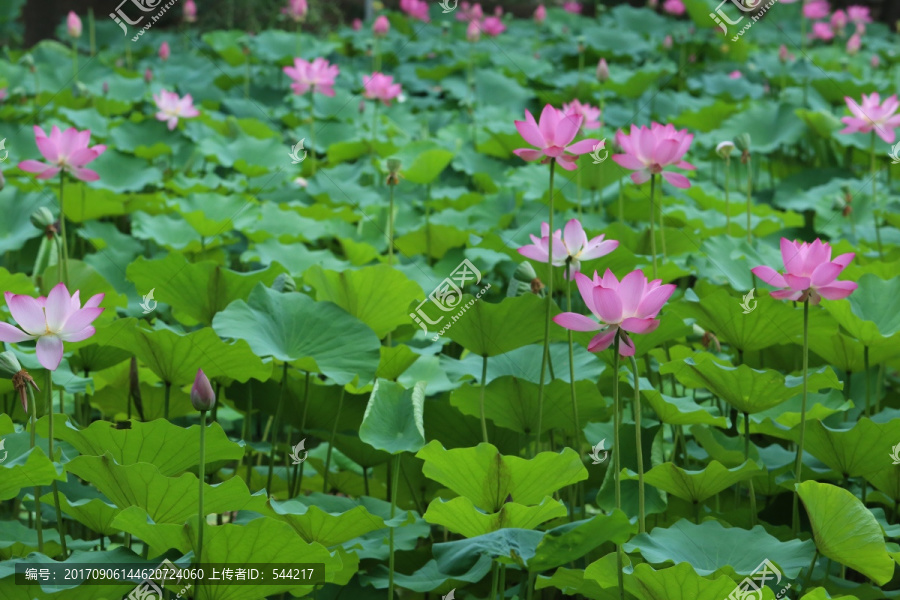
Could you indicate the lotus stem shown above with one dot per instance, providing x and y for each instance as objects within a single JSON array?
[
  {"x": 54, "y": 487},
  {"x": 495, "y": 576},
  {"x": 38, "y": 519},
  {"x": 875, "y": 199},
  {"x": 662, "y": 232},
  {"x": 92, "y": 33},
  {"x": 616, "y": 465},
  {"x": 727, "y": 199},
  {"x": 749, "y": 199},
  {"x": 277, "y": 426},
  {"x": 575, "y": 420},
  {"x": 337, "y": 418},
  {"x": 298, "y": 477},
  {"x": 867, "y": 378},
  {"x": 751, "y": 491},
  {"x": 168, "y": 393},
  {"x": 248, "y": 431},
  {"x": 374, "y": 124},
  {"x": 202, "y": 477},
  {"x": 799, "y": 465},
  {"x": 484, "y": 433},
  {"x": 652, "y": 225},
  {"x": 64, "y": 267},
  {"x": 546, "y": 354},
  {"x": 640, "y": 450},
  {"x": 75, "y": 59},
  {"x": 312, "y": 130},
  {"x": 396, "y": 483}
]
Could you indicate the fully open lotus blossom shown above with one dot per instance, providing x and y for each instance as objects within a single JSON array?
[
  {"x": 379, "y": 86},
  {"x": 822, "y": 31},
  {"x": 572, "y": 246},
  {"x": 381, "y": 26},
  {"x": 552, "y": 138},
  {"x": 417, "y": 9},
  {"x": 854, "y": 44},
  {"x": 295, "y": 10},
  {"x": 317, "y": 76},
  {"x": 590, "y": 113},
  {"x": 572, "y": 7},
  {"x": 816, "y": 9},
  {"x": 469, "y": 12},
  {"x": 51, "y": 321},
  {"x": 630, "y": 306},
  {"x": 65, "y": 151},
  {"x": 873, "y": 115},
  {"x": 493, "y": 26},
  {"x": 164, "y": 51},
  {"x": 190, "y": 11},
  {"x": 810, "y": 273},
  {"x": 674, "y": 7},
  {"x": 649, "y": 150},
  {"x": 172, "y": 107},
  {"x": 73, "y": 25},
  {"x": 540, "y": 13}
]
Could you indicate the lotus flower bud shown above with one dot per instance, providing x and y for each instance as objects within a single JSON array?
[
  {"x": 202, "y": 395},
  {"x": 284, "y": 283},
  {"x": 473, "y": 31},
  {"x": 356, "y": 24},
  {"x": 521, "y": 281},
  {"x": 381, "y": 26},
  {"x": 580, "y": 41},
  {"x": 73, "y": 25},
  {"x": 783, "y": 53},
  {"x": 667, "y": 42},
  {"x": 393, "y": 166},
  {"x": 875, "y": 61},
  {"x": 742, "y": 142},
  {"x": 540, "y": 14},
  {"x": 21, "y": 380},
  {"x": 79, "y": 90},
  {"x": 854, "y": 44},
  {"x": 602, "y": 71},
  {"x": 105, "y": 88},
  {"x": 445, "y": 28},
  {"x": 28, "y": 62},
  {"x": 724, "y": 149},
  {"x": 164, "y": 51},
  {"x": 190, "y": 11},
  {"x": 42, "y": 218},
  {"x": 148, "y": 76},
  {"x": 9, "y": 364}
]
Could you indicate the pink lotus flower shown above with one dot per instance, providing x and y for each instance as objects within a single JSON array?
[
  {"x": 493, "y": 26},
  {"x": 379, "y": 86},
  {"x": 356, "y": 24},
  {"x": 190, "y": 11},
  {"x": 875, "y": 61},
  {"x": 4, "y": 94},
  {"x": 296, "y": 10},
  {"x": 552, "y": 138},
  {"x": 52, "y": 320},
  {"x": 783, "y": 54},
  {"x": 674, "y": 7},
  {"x": 317, "y": 76},
  {"x": 473, "y": 31},
  {"x": 822, "y": 31},
  {"x": 859, "y": 15},
  {"x": 417, "y": 9},
  {"x": 73, "y": 25},
  {"x": 809, "y": 273},
  {"x": 627, "y": 306},
  {"x": 838, "y": 21},
  {"x": 667, "y": 42},
  {"x": 65, "y": 151},
  {"x": 735, "y": 75},
  {"x": 540, "y": 13},
  {"x": 164, "y": 51},
  {"x": 854, "y": 44},
  {"x": 202, "y": 395},
  {"x": 816, "y": 9},
  {"x": 469, "y": 12},
  {"x": 591, "y": 114},
  {"x": 602, "y": 71},
  {"x": 172, "y": 107},
  {"x": 381, "y": 26},
  {"x": 573, "y": 248},
  {"x": 572, "y": 7},
  {"x": 148, "y": 75},
  {"x": 873, "y": 115},
  {"x": 649, "y": 150}
]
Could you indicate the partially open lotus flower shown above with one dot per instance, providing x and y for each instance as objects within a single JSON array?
[
  {"x": 64, "y": 151},
  {"x": 317, "y": 76},
  {"x": 553, "y": 138},
  {"x": 873, "y": 114},
  {"x": 379, "y": 86},
  {"x": 649, "y": 150},
  {"x": 573, "y": 246},
  {"x": 809, "y": 273},
  {"x": 172, "y": 107}
]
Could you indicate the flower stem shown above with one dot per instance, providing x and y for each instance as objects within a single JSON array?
[
  {"x": 868, "y": 384},
  {"x": 248, "y": 430},
  {"x": 201, "y": 476},
  {"x": 640, "y": 450},
  {"x": 799, "y": 464},
  {"x": 749, "y": 200},
  {"x": 616, "y": 466},
  {"x": 277, "y": 426},
  {"x": 38, "y": 519},
  {"x": 374, "y": 124},
  {"x": 576, "y": 432},
  {"x": 484, "y": 432},
  {"x": 875, "y": 199},
  {"x": 652, "y": 225},
  {"x": 62, "y": 232},
  {"x": 312, "y": 130},
  {"x": 59, "y": 520},
  {"x": 396, "y": 484},
  {"x": 546, "y": 354},
  {"x": 337, "y": 418},
  {"x": 167, "y": 394},
  {"x": 662, "y": 227},
  {"x": 727, "y": 199},
  {"x": 75, "y": 59},
  {"x": 751, "y": 491}
]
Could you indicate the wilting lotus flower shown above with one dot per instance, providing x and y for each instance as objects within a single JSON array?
[
  {"x": 65, "y": 151},
  {"x": 674, "y": 7},
  {"x": 822, "y": 31},
  {"x": 202, "y": 395},
  {"x": 317, "y": 76},
  {"x": 73, "y": 25},
  {"x": 724, "y": 149},
  {"x": 493, "y": 26},
  {"x": 810, "y": 273},
  {"x": 164, "y": 51},
  {"x": 854, "y": 44},
  {"x": 816, "y": 9},
  {"x": 469, "y": 13},
  {"x": 572, "y": 7},
  {"x": 379, "y": 86},
  {"x": 295, "y": 10},
  {"x": 573, "y": 246},
  {"x": 649, "y": 150},
  {"x": 417, "y": 9},
  {"x": 591, "y": 114},
  {"x": 630, "y": 306},
  {"x": 381, "y": 26},
  {"x": 873, "y": 115},
  {"x": 172, "y": 107},
  {"x": 190, "y": 11},
  {"x": 540, "y": 13},
  {"x": 52, "y": 320},
  {"x": 552, "y": 138}
]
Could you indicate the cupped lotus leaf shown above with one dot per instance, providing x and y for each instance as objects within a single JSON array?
[
  {"x": 676, "y": 410},
  {"x": 512, "y": 403},
  {"x": 165, "y": 499},
  {"x": 460, "y": 516},
  {"x": 697, "y": 486},
  {"x": 393, "y": 421},
  {"x": 847, "y": 353},
  {"x": 195, "y": 291},
  {"x": 16, "y": 539},
  {"x": 395, "y": 360},
  {"x": 325, "y": 527},
  {"x": 161, "y": 537},
  {"x": 27, "y": 470},
  {"x": 319, "y": 337},
  {"x": 571, "y": 541},
  {"x": 872, "y": 313},
  {"x": 846, "y": 531},
  {"x": 712, "y": 549},
  {"x": 87, "y": 506},
  {"x": 461, "y": 556},
  {"x": 748, "y": 390},
  {"x": 779, "y": 421},
  {"x": 573, "y": 581},
  {"x": 175, "y": 358},
  {"x": 853, "y": 452},
  {"x": 422, "y": 162},
  {"x": 96, "y": 357},
  {"x": 488, "y": 478},
  {"x": 377, "y": 295},
  {"x": 681, "y": 582},
  {"x": 727, "y": 450},
  {"x": 172, "y": 449}
]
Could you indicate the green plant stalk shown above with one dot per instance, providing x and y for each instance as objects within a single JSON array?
[
  {"x": 391, "y": 230},
  {"x": 295, "y": 485},
  {"x": 376, "y": 55},
  {"x": 803, "y": 33},
  {"x": 91, "y": 33},
  {"x": 621, "y": 218},
  {"x": 396, "y": 484},
  {"x": 867, "y": 377},
  {"x": 247, "y": 80},
  {"x": 495, "y": 575},
  {"x": 749, "y": 200},
  {"x": 312, "y": 130},
  {"x": 799, "y": 464},
  {"x": 640, "y": 451},
  {"x": 576, "y": 422},
  {"x": 751, "y": 491},
  {"x": 662, "y": 233},
  {"x": 75, "y": 59},
  {"x": 652, "y": 226},
  {"x": 299, "y": 31},
  {"x": 578, "y": 188},
  {"x": 812, "y": 566},
  {"x": 167, "y": 394},
  {"x": 374, "y": 123},
  {"x": 59, "y": 520},
  {"x": 248, "y": 432},
  {"x": 62, "y": 231},
  {"x": 875, "y": 199},
  {"x": 38, "y": 519},
  {"x": 616, "y": 419},
  {"x": 546, "y": 353},
  {"x": 201, "y": 519},
  {"x": 502, "y": 581},
  {"x": 277, "y": 427},
  {"x": 337, "y": 418},
  {"x": 727, "y": 198},
  {"x": 484, "y": 433}
]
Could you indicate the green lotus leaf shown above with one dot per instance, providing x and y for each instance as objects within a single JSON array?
[
  {"x": 572, "y": 541},
  {"x": 326, "y": 527},
  {"x": 393, "y": 420},
  {"x": 422, "y": 162},
  {"x": 26, "y": 470},
  {"x": 460, "y": 516},
  {"x": 872, "y": 313},
  {"x": 697, "y": 486},
  {"x": 675, "y": 410},
  {"x": 680, "y": 582}
]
